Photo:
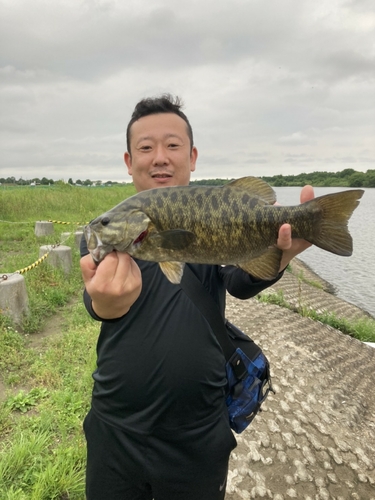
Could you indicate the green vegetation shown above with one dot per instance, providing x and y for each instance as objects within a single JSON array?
[
  {"x": 48, "y": 288},
  {"x": 314, "y": 283},
  {"x": 345, "y": 178},
  {"x": 12, "y": 181},
  {"x": 61, "y": 202},
  {"x": 363, "y": 329},
  {"x": 45, "y": 385},
  {"x": 42, "y": 446}
]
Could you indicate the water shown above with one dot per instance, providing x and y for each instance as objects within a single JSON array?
[{"x": 353, "y": 277}]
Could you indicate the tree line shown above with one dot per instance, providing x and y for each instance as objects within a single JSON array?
[
  {"x": 345, "y": 178},
  {"x": 48, "y": 182}
]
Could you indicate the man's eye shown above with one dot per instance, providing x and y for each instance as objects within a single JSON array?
[
  {"x": 173, "y": 146},
  {"x": 145, "y": 148}
]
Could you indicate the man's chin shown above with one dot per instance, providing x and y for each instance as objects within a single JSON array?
[{"x": 163, "y": 181}]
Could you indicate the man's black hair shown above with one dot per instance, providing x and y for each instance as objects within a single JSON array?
[{"x": 166, "y": 103}]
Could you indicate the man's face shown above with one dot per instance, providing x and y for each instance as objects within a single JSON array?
[{"x": 160, "y": 154}]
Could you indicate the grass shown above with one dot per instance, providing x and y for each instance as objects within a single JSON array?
[
  {"x": 42, "y": 444},
  {"x": 301, "y": 277},
  {"x": 314, "y": 283},
  {"x": 48, "y": 387},
  {"x": 48, "y": 288}
]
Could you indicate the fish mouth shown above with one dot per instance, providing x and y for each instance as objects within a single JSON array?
[{"x": 98, "y": 250}]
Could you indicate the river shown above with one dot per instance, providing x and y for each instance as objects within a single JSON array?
[{"x": 353, "y": 277}]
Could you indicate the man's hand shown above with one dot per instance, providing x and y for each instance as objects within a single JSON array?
[
  {"x": 292, "y": 247},
  {"x": 114, "y": 285}
]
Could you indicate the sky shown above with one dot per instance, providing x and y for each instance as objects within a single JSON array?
[{"x": 269, "y": 86}]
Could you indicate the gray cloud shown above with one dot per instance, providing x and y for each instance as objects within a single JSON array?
[{"x": 265, "y": 89}]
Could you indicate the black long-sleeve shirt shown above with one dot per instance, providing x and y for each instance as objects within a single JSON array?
[{"x": 160, "y": 367}]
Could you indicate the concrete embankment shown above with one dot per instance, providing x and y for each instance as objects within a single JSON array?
[{"x": 315, "y": 438}]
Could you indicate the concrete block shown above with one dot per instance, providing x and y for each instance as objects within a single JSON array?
[
  {"x": 77, "y": 237},
  {"x": 43, "y": 228},
  {"x": 14, "y": 301},
  {"x": 64, "y": 236},
  {"x": 60, "y": 256}
]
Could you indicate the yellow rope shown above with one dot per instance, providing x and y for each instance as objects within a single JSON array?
[
  {"x": 33, "y": 265},
  {"x": 61, "y": 222}
]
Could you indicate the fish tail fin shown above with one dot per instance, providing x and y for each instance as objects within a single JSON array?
[{"x": 331, "y": 233}]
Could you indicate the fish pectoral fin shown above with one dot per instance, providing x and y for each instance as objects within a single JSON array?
[
  {"x": 173, "y": 239},
  {"x": 266, "y": 266},
  {"x": 255, "y": 187},
  {"x": 173, "y": 271}
]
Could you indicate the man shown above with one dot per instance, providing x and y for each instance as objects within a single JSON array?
[{"x": 158, "y": 427}]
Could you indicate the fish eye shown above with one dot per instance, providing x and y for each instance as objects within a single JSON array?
[{"x": 105, "y": 221}]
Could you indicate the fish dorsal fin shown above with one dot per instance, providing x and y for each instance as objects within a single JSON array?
[
  {"x": 173, "y": 239},
  {"x": 266, "y": 266},
  {"x": 255, "y": 187},
  {"x": 173, "y": 271}
]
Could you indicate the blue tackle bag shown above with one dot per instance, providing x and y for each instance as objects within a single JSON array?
[{"x": 249, "y": 379}]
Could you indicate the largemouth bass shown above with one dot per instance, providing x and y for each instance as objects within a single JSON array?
[{"x": 236, "y": 224}]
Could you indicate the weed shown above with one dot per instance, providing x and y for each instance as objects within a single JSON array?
[
  {"x": 23, "y": 401},
  {"x": 14, "y": 354},
  {"x": 314, "y": 283},
  {"x": 271, "y": 297}
]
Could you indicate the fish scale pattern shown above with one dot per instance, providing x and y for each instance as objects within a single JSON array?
[
  {"x": 234, "y": 216},
  {"x": 315, "y": 438}
]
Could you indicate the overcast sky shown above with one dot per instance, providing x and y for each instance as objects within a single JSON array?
[{"x": 269, "y": 86}]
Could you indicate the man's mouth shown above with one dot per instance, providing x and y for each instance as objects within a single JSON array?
[{"x": 161, "y": 175}]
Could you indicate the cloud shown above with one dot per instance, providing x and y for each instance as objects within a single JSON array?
[
  {"x": 259, "y": 84},
  {"x": 296, "y": 138}
]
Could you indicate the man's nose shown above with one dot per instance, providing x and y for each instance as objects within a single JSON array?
[{"x": 161, "y": 155}]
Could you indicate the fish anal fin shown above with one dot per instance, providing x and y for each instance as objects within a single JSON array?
[
  {"x": 255, "y": 187},
  {"x": 266, "y": 266},
  {"x": 173, "y": 239},
  {"x": 173, "y": 271}
]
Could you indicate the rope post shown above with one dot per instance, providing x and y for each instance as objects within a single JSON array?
[
  {"x": 14, "y": 301},
  {"x": 60, "y": 256},
  {"x": 77, "y": 238},
  {"x": 43, "y": 228},
  {"x": 64, "y": 236}
]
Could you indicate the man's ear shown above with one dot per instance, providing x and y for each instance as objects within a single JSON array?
[
  {"x": 193, "y": 158},
  {"x": 128, "y": 162}
]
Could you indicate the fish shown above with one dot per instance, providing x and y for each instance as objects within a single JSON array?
[{"x": 234, "y": 224}]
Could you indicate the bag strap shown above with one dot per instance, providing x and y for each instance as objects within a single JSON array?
[{"x": 204, "y": 301}]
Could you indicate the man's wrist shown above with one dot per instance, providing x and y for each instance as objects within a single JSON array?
[{"x": 103, "y": 313}]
